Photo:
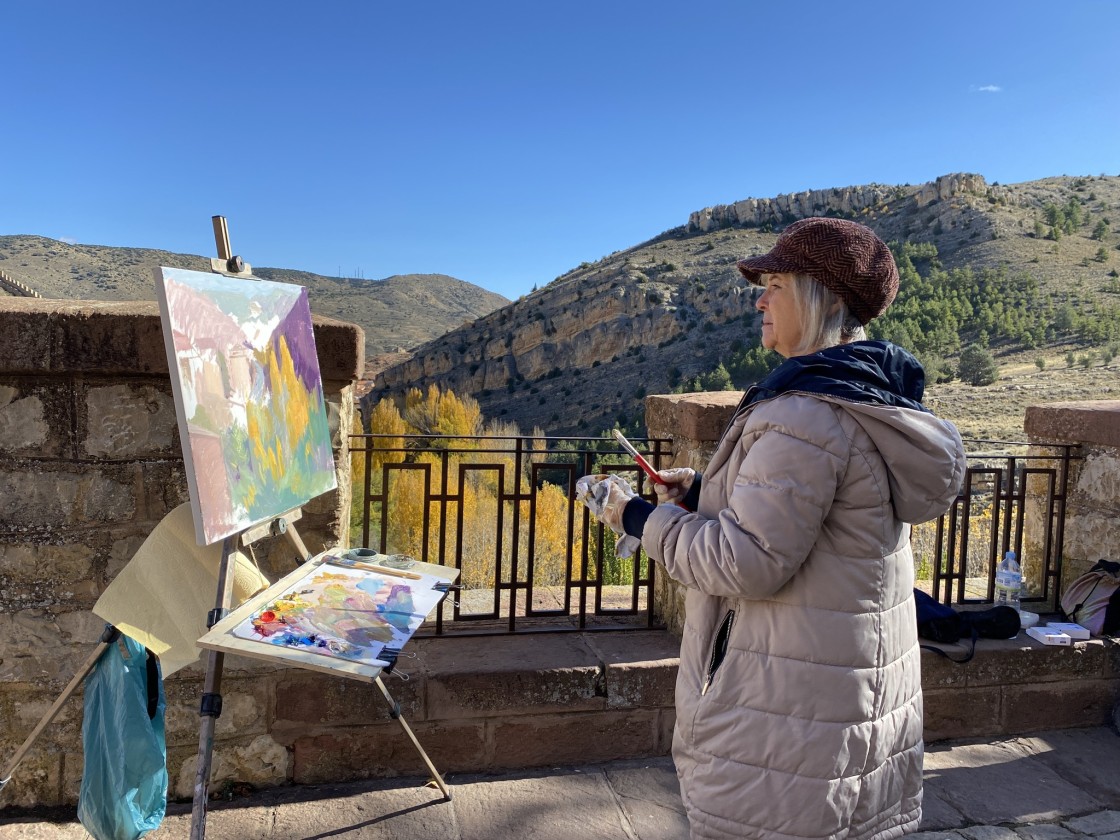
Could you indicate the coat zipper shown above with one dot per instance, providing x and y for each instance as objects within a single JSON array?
[{"x": 719, "y": 650}]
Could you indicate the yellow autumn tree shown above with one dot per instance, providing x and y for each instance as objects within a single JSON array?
[
  {"x": 385, "y": 419},
  {"x": 450, "y": 419},
  {"x": 550, "y": 528}
]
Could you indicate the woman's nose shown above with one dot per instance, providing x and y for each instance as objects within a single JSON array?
[{"x": 760, "y": 304}]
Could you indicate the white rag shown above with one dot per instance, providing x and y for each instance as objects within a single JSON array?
[{"x": 592, "y": 490}]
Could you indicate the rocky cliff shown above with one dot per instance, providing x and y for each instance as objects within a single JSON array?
[{"x": 580, "y": 353}]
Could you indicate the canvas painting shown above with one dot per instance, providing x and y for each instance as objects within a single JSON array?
[
  {"x": 248, "y": 396},
  {"x": 330, "y": 618}
]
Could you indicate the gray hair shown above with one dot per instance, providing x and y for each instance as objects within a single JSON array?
[{"x": 825, "y": 319}]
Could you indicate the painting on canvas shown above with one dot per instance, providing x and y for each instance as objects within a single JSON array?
[{"x": 248, "y": 397}]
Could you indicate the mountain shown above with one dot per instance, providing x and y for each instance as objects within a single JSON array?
[
  {"x": 578, "y": 355},
  {"x": 397, "y": 313}
]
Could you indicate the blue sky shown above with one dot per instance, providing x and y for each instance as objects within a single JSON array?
[{"x": 504, "y": 143}]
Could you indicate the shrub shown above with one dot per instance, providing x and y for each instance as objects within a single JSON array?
[{"x": 977, "y": 366}]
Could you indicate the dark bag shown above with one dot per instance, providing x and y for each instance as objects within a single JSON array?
[
  {"x": 1093, "y": 600},
  {"x": 941, "y": 623}
]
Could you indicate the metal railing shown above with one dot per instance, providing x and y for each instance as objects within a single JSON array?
[
  {"x": 1009, "y": 502},
  {"x": 503, "y": 511}
]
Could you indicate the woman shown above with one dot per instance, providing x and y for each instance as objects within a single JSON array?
[{"x": 799, "y": 706}]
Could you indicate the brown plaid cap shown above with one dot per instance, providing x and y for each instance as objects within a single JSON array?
[{"x": 846, "y": 257}]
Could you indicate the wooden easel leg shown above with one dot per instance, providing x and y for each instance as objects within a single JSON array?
[
  {"x": 211, "y": 695},
  {"x": 395, "y": 712},
  {"x": 107, "y": 638}
]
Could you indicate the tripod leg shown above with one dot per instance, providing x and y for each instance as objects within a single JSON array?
[
  {"x": 211, "y": 695},
  {"x": 395, "y": 711},
  {"x": 107, "y": 638}
]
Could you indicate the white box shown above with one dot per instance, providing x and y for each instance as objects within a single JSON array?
[
  {"x": 1048, "y": 636},
  {"x": 1074, "y": 631}
]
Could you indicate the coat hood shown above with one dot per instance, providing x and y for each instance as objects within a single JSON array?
[{"x": 881, "y": 386}]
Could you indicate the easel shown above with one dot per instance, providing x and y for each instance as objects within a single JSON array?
[{"x": 211, "y": 705}]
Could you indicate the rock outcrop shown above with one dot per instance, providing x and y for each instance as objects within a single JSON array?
[{"x": 580, "y": 354}]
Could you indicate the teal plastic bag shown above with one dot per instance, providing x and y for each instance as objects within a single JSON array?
[{"x": 124, "y": 779}]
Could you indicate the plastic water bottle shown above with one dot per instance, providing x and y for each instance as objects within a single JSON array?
[{"x": 1009, "y": 580}]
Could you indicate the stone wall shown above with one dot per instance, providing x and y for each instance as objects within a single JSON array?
[
  {"x": 1092, "y": 529},
  {"x": 90, "y": 462},
  {"x": 694, "y": 423}
]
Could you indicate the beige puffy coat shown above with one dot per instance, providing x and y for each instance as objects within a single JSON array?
[{"x": 811, "y": 726}]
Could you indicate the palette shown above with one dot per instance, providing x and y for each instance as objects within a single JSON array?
[{"x": 332, "y": 618}]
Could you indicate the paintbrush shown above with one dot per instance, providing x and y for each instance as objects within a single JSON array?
[
  {"x": 371, "y": 567},
  {"x": 637, "y": 456}
]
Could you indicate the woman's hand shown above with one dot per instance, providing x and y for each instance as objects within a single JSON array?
[
  {"x": 674, "y": 484},
  {"x": 605, "y": 496},
  {"x": 618, "y": 497}
]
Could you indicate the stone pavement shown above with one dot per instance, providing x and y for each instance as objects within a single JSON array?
[{"x": 1059, "y": 784}]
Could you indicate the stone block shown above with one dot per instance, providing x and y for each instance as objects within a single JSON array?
[
  {"x": 44, "y": 648},
  {"x": 1098, "y": 479},
  {"x": 1093, "y": 422},
  {"x": 161, "y": 486},
  {"x": 341, "y": 349},
  {"x": 1023, "y": 660},
  {"x": 489, "y": 676},
  {"x": 25, "y": 706},
  {"x": 51, "y": 497},
  {"x": 245, "y": 710},
  {"x": 308, "y": 701},
  {"x": 45, "y": 565},
  {"x": 1102, "y": 822},
  {"x": 128, "y": 420},
  {"x": 108, "y": 495},
  {"x": 696, "y": 417},
  {"x": 257, "y": 762},
  {"x": 385, "y": 751},
  {"x": 956, "y": 713},
  {"x": 1112, "y": 658},
  {"x": 35, "y": 420},
  {"x": 589, "y": 737},
  {"x": 29, "y": 632},
  {"x": 121, "y": 551},
  {"x": 940, "y": 672},
  {"x": 25, "y": 339},
  {"x": 666, "y": 724},
  {"x": 1088, "y": 534},
  {"x": 37, "y": 500},
  {"x": 640, "y": 667},
  {"x": 107, "y": 337},
  {"x": 1033, "y": 708},
  {"x": 37, "y": 781}
]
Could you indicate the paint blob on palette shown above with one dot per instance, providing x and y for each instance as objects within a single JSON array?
[{"x": 343, "y": 613}]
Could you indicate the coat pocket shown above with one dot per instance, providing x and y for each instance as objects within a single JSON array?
[{"x": 719, "y": 650}]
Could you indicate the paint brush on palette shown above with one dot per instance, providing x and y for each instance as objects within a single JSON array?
[{"x": 348, "y": 563}]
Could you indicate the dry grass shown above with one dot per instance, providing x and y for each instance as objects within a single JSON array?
[{"x": 997, "y": 411}]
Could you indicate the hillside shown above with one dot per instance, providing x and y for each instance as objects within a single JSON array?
[
  {"x": 397, "y": 313},
  {"x": 577, "y": 355}
]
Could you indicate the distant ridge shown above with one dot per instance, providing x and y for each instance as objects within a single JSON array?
[{"x": 397, "y": 313}]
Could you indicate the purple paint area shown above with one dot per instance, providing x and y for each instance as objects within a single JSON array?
[{"x": 296, "y": 328}]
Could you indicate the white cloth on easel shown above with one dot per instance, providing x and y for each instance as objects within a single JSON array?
[{"x": 162, "y": 596}]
